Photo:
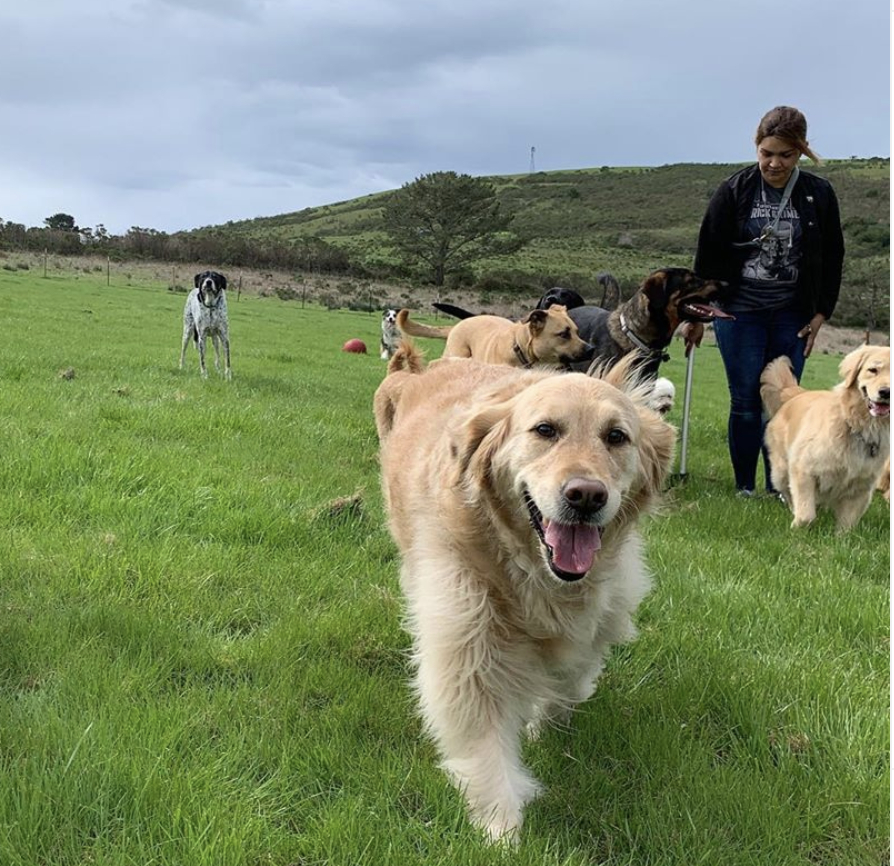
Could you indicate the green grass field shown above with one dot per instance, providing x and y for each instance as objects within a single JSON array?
[{"x": 201, "y": 653}]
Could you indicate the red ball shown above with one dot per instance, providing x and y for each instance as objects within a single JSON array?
[{"x": 356, "y": 346}]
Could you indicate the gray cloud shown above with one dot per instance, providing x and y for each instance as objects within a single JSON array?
[{"x": 178, "y": 113}]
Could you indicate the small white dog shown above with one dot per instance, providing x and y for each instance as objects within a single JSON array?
[
  {"x": 204, "y": 315},
  {"x": 391, "y": 335},
  {"x": 662, "y": 397}
]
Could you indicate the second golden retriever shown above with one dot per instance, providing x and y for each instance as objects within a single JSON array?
[
  {"x": 541, "y": 338},
  {"x": 513, "y": 496},
  {"x": 828, "y": 448}
]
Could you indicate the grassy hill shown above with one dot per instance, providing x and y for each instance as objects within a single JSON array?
[{"x": 625, "y": 220}]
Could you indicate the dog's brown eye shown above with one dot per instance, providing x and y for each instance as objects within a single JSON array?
[
  {"x": 566, "y": 334},
  {"x": 616, "y": 436},
  {"x": 547, "y": 431}
]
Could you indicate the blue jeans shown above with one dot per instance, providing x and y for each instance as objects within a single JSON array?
[{"x": 747, "y": 345}]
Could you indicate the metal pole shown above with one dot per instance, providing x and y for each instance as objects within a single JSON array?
[{"x": 687, "y": 399}]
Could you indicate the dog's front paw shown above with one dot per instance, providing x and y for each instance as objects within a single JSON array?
[
  {"x": 503, "y": 833},
  {"x": 500, "y": 812}
]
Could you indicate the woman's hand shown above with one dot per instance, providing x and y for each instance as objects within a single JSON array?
[
  {"x": 692, "y": 333},
  {"x": 810, "y": 330}
]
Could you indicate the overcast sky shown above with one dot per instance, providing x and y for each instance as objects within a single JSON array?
[{"x": 173, "y": 114}]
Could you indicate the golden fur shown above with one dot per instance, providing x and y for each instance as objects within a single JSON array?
[
  {"x": 828, "y": 448},
  {"x": 507, "y": 631},
  {"x": 543, "y": 337},
  {"x": 884, "y": 482}
]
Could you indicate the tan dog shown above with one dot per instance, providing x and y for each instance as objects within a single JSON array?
[
  {"x": 828, "y": 448},
  {"x": 513, "y": 496},
  {"x": 543, "y": 337},
  {"x": 884, "y": 482}
]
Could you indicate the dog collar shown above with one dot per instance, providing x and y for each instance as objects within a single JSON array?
[
  {"x": 641, "y": 344},
  {"x": 523, "y": 359}
]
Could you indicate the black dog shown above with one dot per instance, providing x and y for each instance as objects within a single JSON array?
[
  {"x": 570, "y": 299},
  {"x": 644, "y": 324}
]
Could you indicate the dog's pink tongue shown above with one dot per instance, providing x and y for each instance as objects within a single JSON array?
[
  {"x": 879, "y": 410},
  {"x": 574, "y": 547}
]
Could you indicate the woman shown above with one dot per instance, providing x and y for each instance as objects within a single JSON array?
[{"x": 773, "y": 233}]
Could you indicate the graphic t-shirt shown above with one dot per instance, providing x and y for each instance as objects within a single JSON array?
[{"x": 770, "y": 272}]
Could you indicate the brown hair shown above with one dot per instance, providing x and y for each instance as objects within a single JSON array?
[{"x": 788, "y": 124}]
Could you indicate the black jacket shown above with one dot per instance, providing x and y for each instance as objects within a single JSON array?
[{"x": 822, "y": 242}]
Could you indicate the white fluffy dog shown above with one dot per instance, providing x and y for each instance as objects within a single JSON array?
[{"x": 663, "y": 395}]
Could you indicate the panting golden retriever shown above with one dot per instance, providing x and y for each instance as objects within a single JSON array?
[
  {"x": 542, "y": 338},
  {"x": 828, "y": 448},
  {"x": 513, "y": 496}
]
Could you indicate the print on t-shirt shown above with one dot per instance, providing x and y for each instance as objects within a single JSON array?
[{"x": 775, "y": 259}]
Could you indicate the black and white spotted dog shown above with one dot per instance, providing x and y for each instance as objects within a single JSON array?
[
  {"x": 391, "y": 335},
  {"x": 205, "y": 315}
]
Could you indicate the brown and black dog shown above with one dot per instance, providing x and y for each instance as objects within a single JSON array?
[
  {"x": 646, "y": 322},
  {"x": 542, "y": 338}
]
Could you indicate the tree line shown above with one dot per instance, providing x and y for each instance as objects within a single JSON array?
[
  {"x": 60, "y": 235},
  {"x": 439, "y": 225}
]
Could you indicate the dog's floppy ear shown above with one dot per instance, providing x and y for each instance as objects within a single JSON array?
[
  {"x": 198, "y": 277},
  {"x": 480, "y": 437},
  {"x": 535, "y": 320},
  {"x": 656, "y": 449},
  {"x": 222, "y": 280},
  {"x": 849, "y": 368},
  {"x": 655, "y": 288},
  {"x": 477, "y": 437}
]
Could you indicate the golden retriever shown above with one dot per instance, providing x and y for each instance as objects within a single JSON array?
[
  {"x": 513, "y": 497},
  {"x": 828, "y": 448},
  {"x": 542, "y": 337},
  {"x": 884, "y": 482}
]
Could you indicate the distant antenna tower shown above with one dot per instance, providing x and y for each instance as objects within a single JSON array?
[{"x": 532, "y": 159}]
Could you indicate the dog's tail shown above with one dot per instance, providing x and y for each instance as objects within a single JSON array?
[
  {"x": 778, "y": 384},
  {"x": 406, "y": 361},
  {"x": 416, "y": 329},
  {"x": 453, "y": 310},
  {"x": 611, "y": 291},
  {"x": 407, "y": 358}
]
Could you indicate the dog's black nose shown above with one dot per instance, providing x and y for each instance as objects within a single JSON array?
[
  {"x": 884, "y": 394},
  {"x": 585, "y": 495},
  {"x": 587, "y": 353}
]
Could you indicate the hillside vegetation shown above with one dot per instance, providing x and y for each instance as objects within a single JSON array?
[{"x": 627, "y": 221}]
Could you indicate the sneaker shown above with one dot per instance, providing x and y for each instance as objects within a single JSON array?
[{"x": 744, "y": 493}]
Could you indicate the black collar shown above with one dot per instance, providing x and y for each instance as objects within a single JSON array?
[
  {"x": 640, "y": 343},
  {"x": 523, "y": 359}
]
